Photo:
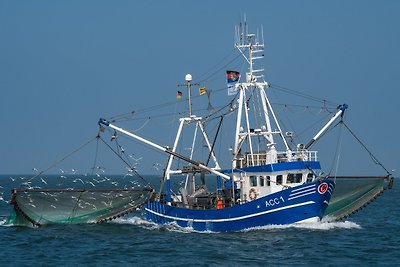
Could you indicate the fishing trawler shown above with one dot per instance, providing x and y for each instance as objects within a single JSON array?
[
  {"x": 268, "y": 182},
  {"x": 264, "y": 178}
]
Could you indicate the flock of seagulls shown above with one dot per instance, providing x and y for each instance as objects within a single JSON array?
[
  {"x": 68, "y": 177},
  {"x": 99, "y": 173}
]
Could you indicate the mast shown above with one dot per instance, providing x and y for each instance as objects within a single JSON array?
[
  {"x": 251, "y": 46},
  {"x": 188, "y": 79},
  {"x": 191, "y": 120}
]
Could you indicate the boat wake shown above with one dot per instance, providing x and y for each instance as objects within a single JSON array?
[
  {"x": 309, "y": 226},
  {"x": 170, "y": 227},
  {"x": 173, "y": 227},
  {"x": 3, "y": 220}
]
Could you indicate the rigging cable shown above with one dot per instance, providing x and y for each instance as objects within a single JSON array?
[
  {"x": 365, "y": 147},
  {"x": 297, "y": 93},
  {"x": 61, "y": 160},
  {"x": 127, "y": 163},
  {"x": 219, "y": 69},
  {"x": 215, "y": 139},
  {"x": 338, "y": 150},
  {"x": 96, "y": 153}
]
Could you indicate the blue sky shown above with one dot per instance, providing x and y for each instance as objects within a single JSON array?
[{"x": 64, "y": 64}]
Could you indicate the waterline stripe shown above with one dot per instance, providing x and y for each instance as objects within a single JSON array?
[{"x": 231, "y": 219}]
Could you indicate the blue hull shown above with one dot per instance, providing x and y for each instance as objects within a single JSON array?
[{"x": 305, "y": 202}]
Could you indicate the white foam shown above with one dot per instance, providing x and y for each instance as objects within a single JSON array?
[
  {"x": 174, "y": 227},
  {"x": 322, "y": 225},
  {"x": 134, "y": 220}
]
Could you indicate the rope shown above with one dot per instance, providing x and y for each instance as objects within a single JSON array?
[
  {"x": 365, "y": 147},
  {"x": 294, "y": 92},
  {"x": 219, "y": 69},
  {"x": 127, "y": 163},
  {"x": 369, "y": 152},
  {"x": 338, "y": 149},
  {"x": 64, "y": 158},
  {"x": 96, "y": 153},
  {"x": 215, "y": 139}
]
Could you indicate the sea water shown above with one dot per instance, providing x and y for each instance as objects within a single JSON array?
[{"x": 369, "y": 238}]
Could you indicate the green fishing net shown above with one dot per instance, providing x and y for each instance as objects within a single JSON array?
[
  {"x": 351, "y": 194},
  {"x": 35, "y": 207}
]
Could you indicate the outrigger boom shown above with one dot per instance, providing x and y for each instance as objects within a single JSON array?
[
  {"x": 164, "y": 149},
  {"x": 340, "y": 112}
]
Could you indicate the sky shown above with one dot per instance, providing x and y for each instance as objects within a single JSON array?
[{"x": 65, "y": 64}]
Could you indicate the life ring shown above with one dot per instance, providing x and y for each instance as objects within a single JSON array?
[{"x": 252, "y": 194}]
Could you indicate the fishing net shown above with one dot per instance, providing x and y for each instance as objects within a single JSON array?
[
  {"x": 353, "y": 193},
  {"x": 47, "y": 206}
]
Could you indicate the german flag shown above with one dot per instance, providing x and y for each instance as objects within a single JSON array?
[{"x": 202, "y": 90}]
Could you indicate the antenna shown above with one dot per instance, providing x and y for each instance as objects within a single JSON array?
[
  {"x": 188, "y": 78},
  {"x": 251, "y": 46},
  {"x": 188, "y": 85}
]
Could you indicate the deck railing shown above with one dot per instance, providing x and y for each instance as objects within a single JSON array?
[{"x": 267, "y": 158}]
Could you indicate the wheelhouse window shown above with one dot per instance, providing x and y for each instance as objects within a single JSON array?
[
  {"x": 279, "y": 179},
  {"x": 298, "y": 177},
  {"x": 294, "y": 178},
  {"x": 262, "y": 181},
  {"x": 268, "y": 178},
  {"x": 253, "y": 180},
  {"x": 290, "y": 178},
  {"x": 310, "y": 177}
]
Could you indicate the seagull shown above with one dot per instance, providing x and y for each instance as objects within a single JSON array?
[
  {"x": 135, "y": 159},
  {"x": 114, "y": 136},
  {"x": 2, "y": 199},
  {"x": 128, "y": 174},
  {"x": 34, "y": 169},
  {"x": 80, "y": 180},
  {"x": 156, "y": 166},
  {"x": 91, "y": 183},
  {"x": 27, "y": 184},
  {"x": 102, "y": 169},
  {"x": 99, "y": 181},
  {"x": 130, "y": 169}
]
